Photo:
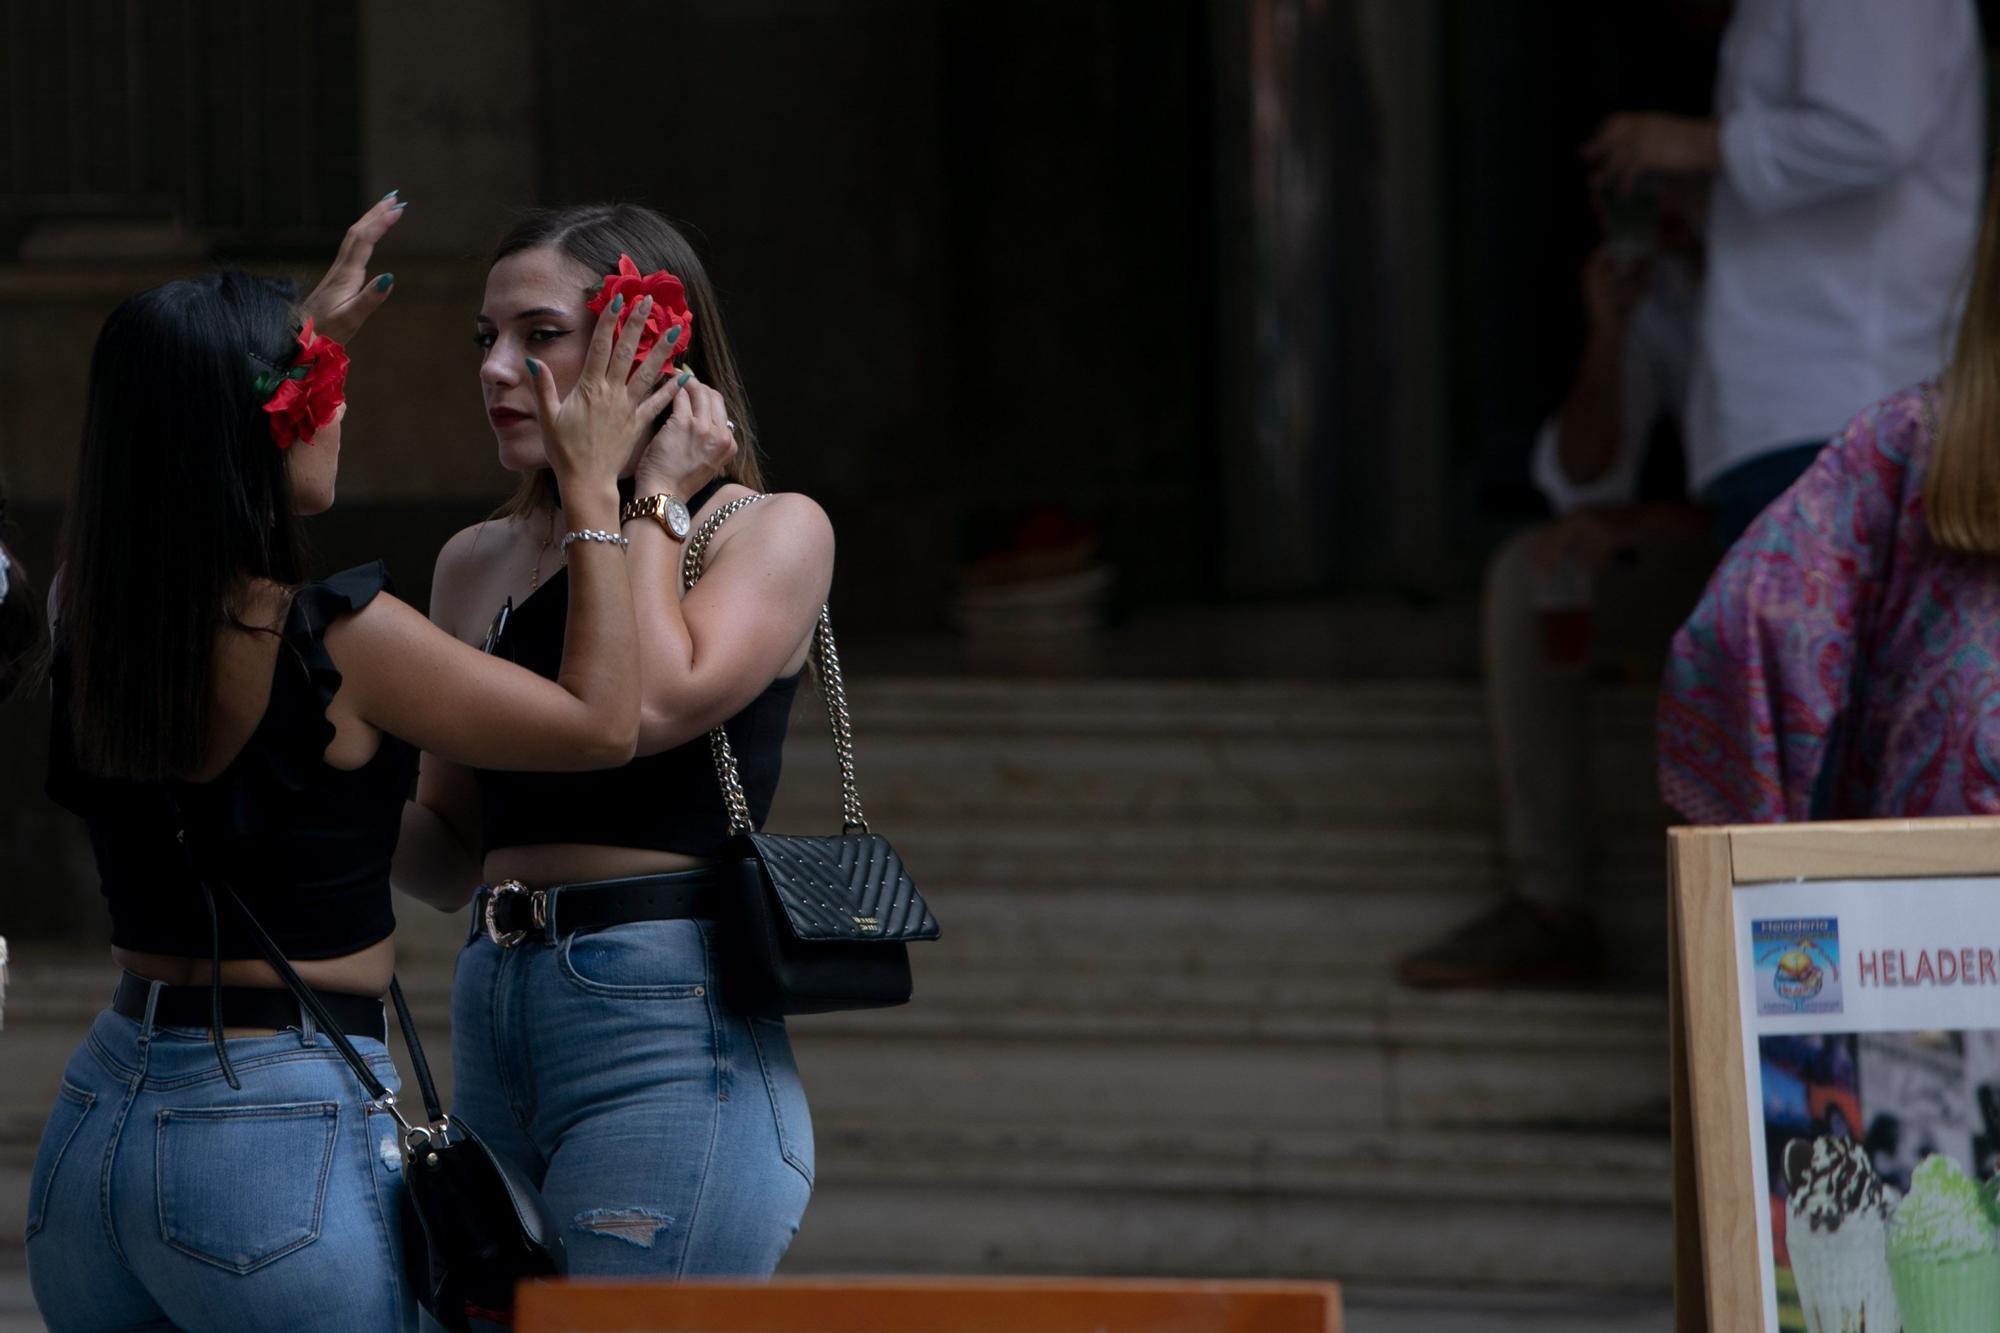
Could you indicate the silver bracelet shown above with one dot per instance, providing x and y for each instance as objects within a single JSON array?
[{"x": 593, "y": 535}]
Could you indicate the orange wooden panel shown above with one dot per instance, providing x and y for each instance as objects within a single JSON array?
[{"x": 928, "y": 1305}]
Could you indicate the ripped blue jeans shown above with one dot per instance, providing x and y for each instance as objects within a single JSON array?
[{"x": 668, "y": 1132}]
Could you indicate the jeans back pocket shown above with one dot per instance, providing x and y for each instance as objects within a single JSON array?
[
  {"x": 240, "y": 1186},
  {"x": 72, "y": 1104}
]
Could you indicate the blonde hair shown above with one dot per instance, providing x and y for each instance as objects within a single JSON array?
[
  {"x": 594, "y": 235},
  {"x": 1962, "y": 490}
]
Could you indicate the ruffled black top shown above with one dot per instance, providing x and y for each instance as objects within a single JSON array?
[{"x": 307, "y": 846}]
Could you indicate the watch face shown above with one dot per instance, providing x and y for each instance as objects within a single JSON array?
[{"x": 678, "y": 519}]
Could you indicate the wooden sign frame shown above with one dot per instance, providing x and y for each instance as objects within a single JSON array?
[
  {"x": 1716, "y": 1277},
  {"x": 928, "y": 1305}
]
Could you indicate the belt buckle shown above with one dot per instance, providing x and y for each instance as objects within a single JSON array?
[{"x": 537, "y": 907}]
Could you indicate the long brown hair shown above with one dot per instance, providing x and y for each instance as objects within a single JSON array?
[
  {"x": 594, "y": 235},
  {"x": 1962, "y": 491}
]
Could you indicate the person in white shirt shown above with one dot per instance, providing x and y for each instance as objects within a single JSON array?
[
  {"x": 1596, "y": 591},
  {"x": 1846, "y": 160}
]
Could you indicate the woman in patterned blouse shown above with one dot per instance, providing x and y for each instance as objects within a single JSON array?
[{"x": 1845, "y": 659}]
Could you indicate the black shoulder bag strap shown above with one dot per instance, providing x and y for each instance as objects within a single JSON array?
[{"x": 307, "y": 998}]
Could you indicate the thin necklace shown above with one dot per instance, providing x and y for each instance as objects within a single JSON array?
[{"x": 535, "y": 579}]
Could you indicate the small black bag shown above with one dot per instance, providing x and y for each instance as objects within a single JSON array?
[
  {"x": 473, "y": 1227},
  {"x": 821, "y": 924}
]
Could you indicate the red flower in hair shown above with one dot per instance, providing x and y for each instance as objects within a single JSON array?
[
  {"x": 303, "y": 399},
  {"x": 670, "y": 306}
]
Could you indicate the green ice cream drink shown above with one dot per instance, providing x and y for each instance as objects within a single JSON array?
[{"x": 1944, "y": 1253}]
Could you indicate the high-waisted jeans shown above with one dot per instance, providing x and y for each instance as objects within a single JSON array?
[
  {"x": 162, "y": 1198},
  {"x": 668, "y": 1132}
]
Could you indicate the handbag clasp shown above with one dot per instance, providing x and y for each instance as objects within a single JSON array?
[{"x": 538, "y": 908}]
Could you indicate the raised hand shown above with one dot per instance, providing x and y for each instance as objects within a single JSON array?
[
  {"x": 694, "y": 445},
  {"x": 346, "y": 296},
  {"x": 593, "y": 431}
]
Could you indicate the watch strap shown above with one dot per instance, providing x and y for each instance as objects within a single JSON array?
[{"x": 653, "y": 507}]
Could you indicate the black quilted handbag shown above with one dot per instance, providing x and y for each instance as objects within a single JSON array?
[{"x": 820, "y": 924}]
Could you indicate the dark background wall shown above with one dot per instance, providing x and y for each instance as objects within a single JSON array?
[{"x": 965, "y": 255}]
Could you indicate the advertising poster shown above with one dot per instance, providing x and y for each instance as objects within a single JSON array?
[{"x": 1871, "y": 1040}]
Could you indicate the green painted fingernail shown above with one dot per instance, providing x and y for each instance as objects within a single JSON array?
[
  {"x": 617, "y": 303},
  {"x": 385, "y": 282},
  {"x": 673, "y": 335},
  {"x": 684, "y": 376},
  {"x": 534, "y": 367},
  {"x": 387, "y": 197},
  {"x": 401, "y": 204}
]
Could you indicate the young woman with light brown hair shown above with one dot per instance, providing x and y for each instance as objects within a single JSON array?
[{"x": 667, "y": 1130}]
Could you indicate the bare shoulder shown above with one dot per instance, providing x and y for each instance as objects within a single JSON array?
[
  {"x": 785, "y": 524},
  {"x": 466, "y": 563},
  {"x": 471, "y": 549},
  {"x": 376, "y": 631}
]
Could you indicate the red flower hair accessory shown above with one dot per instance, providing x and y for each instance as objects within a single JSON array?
[
  {"x": 670, "y": 306},
  {"x": 302, "y": 399}
]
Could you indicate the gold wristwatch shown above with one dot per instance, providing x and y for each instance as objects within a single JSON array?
[{"x": 666, "y": 509}]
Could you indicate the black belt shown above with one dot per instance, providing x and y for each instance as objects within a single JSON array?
[
  {"x": 509, "y": 912},
  {"x": 243, "y": 1007}
]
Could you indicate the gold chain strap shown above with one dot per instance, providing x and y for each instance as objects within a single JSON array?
[{"x": 826, "y": 660}]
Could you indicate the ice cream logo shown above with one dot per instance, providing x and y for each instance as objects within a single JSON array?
[
  {"x": 1798, "y": 976},
  {"x": 1798, "y": 965}
]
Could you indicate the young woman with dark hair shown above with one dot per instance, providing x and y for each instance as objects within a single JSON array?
[
  {"x": 666, "y": 1129},
  {"x": 211, "y": 1162}
]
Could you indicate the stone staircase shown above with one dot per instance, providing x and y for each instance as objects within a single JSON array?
[{"x": 1158, "y": 1034}]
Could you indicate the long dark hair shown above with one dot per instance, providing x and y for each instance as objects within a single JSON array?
[
  {"x": 180, "y": 497},
  {"x": 594, "y": 235}
]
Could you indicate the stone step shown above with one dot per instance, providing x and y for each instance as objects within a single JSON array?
[
  {"x": 1248, "y": 1051},
  {"x": 1493, "y": 1207},
  {"x": 1304, "y": 857},
  {"x": 1251, "y": 754},
  {"x": 1291, "y": 711}
]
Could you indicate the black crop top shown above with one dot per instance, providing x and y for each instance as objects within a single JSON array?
[
  {"x": 305, "y": 845},
  {"x": 667, "y": 802}
]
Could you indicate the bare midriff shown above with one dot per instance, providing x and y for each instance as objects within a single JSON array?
[
  {"x": 578, "y": 863},
  {"x": 365, "y": 972}
]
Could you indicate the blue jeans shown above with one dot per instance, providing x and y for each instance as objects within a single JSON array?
[
  {"x": 668, "y": 1132},
  {"x": 161, "y": 1198},
  {"x": 1745, "y": 491}
]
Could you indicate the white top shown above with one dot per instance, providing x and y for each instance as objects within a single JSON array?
[
  {"x": 1653, "y": 369},
  {"x": 1841, "y": 221}
]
